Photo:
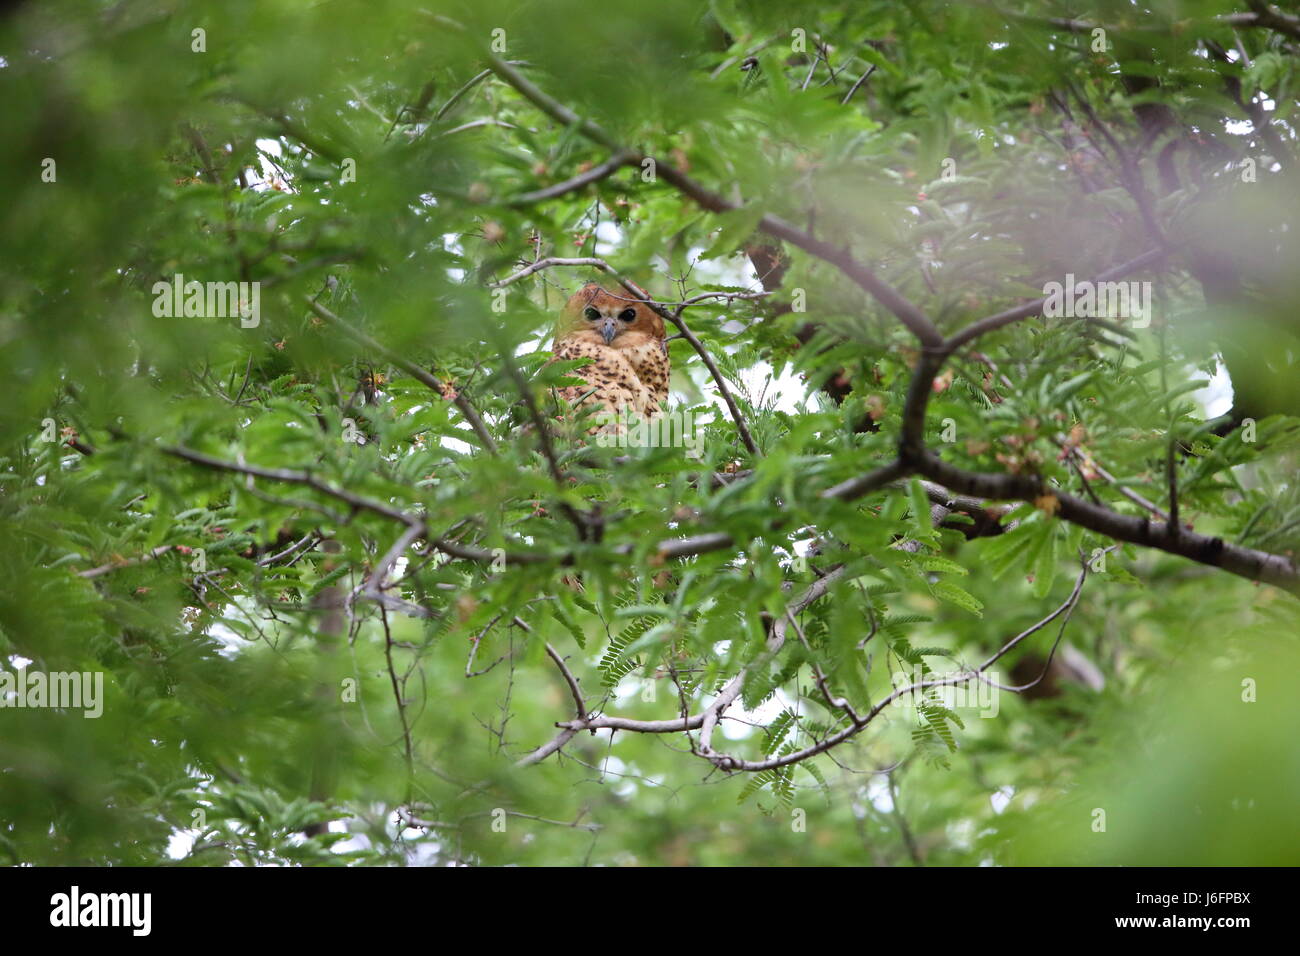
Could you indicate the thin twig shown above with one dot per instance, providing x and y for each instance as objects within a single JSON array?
[
  {"x": 580, "y": 181},
  {"x": 125, "y": 563},
  {"x": 854, "y": 88}
]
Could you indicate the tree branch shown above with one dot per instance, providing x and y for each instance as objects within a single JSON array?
[
  {"x": 842, "y": 259},
  {"x": 775, "y": 641},
  {"x": 580, "y": 181},
  {"x": 998, "y": 320},
  {"x": 127, "y": 563},
  {"x": 422, "y": 375},
  {"x": 1245, "y": 562}
]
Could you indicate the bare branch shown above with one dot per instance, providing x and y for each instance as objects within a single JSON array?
[
  {"x": 833, "y": 702},
  {"x": 1110, "y": 479},
  {"x": 580, "y": 181},
  {"x": 775, "y": 641},
  {"x": 854, "y": 88},
  {"x": 568, "y": 677},
  {"x": 858, "y": 725},
  {"x": 1266, "y": 15},
  {"x": 741, "y": 428},
  {"x": 1245, "y": 562},
  {"x": 864, "y": 484},
  {"x": 997, "y": 321},
  {"x": 547, "y": 263},
  {"x": 548, "y": 748},
  {"x": 126, "y": 563}
]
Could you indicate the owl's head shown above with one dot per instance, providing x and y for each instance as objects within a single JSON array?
[{"x": 608, "y": 314}]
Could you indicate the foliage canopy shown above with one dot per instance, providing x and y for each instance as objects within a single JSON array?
[{"x": 335, "y": 565}]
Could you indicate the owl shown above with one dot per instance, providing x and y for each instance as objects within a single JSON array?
[{"x": 624, "y": 338}]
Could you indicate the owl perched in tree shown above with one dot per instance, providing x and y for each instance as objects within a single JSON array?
[{"x": 624, "y": 339}]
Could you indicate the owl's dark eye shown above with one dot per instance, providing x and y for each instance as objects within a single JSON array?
[
  {"x": 591, "y": 313},
  {"x": 627, "y": 315}
]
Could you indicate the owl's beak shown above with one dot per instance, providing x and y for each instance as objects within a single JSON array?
[{"x": 608, "y": 329}]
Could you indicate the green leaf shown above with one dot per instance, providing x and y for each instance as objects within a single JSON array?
[{"x": 951, "y": 593}]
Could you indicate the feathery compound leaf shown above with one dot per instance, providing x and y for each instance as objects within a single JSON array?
[
  {"x": 953, "y": 594},
  {"x": 614, "y": 666},
  {"x": 777, "y": 731},
  {"x": 1000, "y": 554},
  {"x": 568, "y": 624}
]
